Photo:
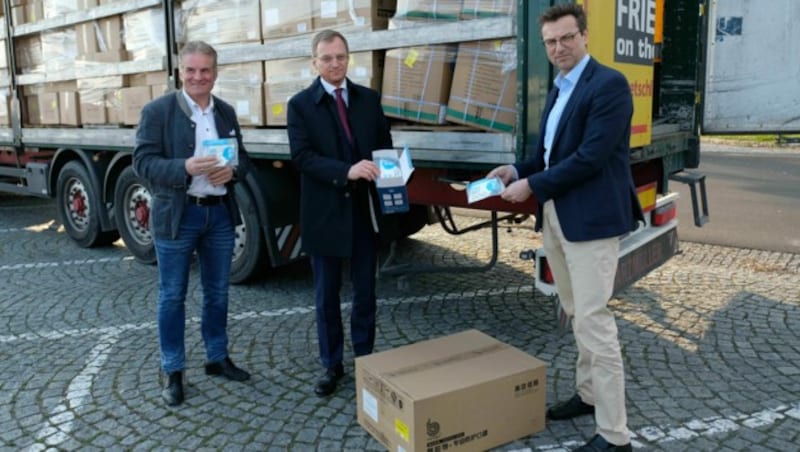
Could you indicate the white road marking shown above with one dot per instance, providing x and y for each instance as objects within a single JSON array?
[
  {"x": 57, "y": 427},
  {"x": 63, "y": 263}
]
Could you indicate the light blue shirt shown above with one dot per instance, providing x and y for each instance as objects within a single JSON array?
[{"x": 565, "y": 84}]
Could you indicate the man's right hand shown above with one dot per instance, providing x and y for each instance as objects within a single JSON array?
[
  {"x": 196, "y": 166},
  {"x": 506, "y": 173}
]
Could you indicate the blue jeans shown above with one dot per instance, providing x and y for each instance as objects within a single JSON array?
[{"x": 207, "y": 230}]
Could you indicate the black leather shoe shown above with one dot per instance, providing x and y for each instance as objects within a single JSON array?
[
  {"x": 599, "y": 444},
  {"x": 227, "y": 369},
  {"x": 173, "y": 390},
  {"x": 330, "y": 379},
  {"x": 569, "y": 409}
]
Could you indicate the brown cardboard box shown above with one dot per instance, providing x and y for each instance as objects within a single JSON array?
[
  {"x": 48, "y": 108},
  {"x": 114, "y": 114},
  {"x": 69, "y": 108},
  {"x": 34, "y": 11},
  {"x": 416, "y": 82},
  {"x": 484, "y": 89},
  {"x": 222, "y": 22},
  {"x": 31, "y": 114},
  {"x": 246, "y": 99},
  {"x": 5, "y": 107},
  {"x": 133, "y": 99},
  {"x": 282, "y": 18},
  {"x": 148, "y": 78},
  {"x": 276, "y": 98},
  {"x": 353, "y": 14},
  {"x": 466, "y": 391},
  {"x": 92, "y": 107},
  {"x": 416, "y": 10},
  {"x": 474, "y": 9}
]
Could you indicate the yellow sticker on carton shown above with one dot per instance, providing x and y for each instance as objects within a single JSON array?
[
  {"x": 411, "y": 59},
  {"x": 277, "y": 109},
  {"x": 401, "y": 429}
]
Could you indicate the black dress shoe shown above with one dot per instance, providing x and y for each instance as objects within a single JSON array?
[
  {"x": 569, "y": 409},
  {"x": 599, "y": 444},
  {"x": 173, "y": 390},
  {"x": 227, "y": 369},
  {"x": 327, "y": 384}
]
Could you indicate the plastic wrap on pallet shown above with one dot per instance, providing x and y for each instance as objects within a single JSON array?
[
  {"x": 476, "y": 9},
  {"x": 95, "y": 95},
  {"x": 28, "y": 52},
  {"x": 411, "y": 13},
  {"x": 242, "y": 73},
  {"x": 57, "y": 8},
  {"x": 247, "y": 100},
  {"x": 348, "y": 15},
  {"x": 145, "y": 33},
  {"x": 59, "y": 50},
  {"x": 416, "y": 82},
  {"x": 484, "y": 89},
  {"x": 221, "y": 21},
  {"x": 3, "y": 57},
  {"x": 283, "y": 18}
]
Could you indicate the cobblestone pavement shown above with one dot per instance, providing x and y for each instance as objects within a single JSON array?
[{"x": 711, "y": 343}]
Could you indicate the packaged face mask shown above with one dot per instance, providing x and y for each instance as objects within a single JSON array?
[
  {"x": 484, "y": 188},
  {"x": 225, "y": 149}
]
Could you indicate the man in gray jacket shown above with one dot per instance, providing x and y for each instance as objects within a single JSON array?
[{"x": 193, "y": 209}]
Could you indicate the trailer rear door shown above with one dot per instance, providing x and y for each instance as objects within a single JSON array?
[{"x": 752, "y": 67}]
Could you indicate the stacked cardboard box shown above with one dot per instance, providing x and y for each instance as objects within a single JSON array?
[
  {"x": 284, "y": 18},
  {"x": 242, "y": 85},
  {"x": 473, "y": 9},
  {"x": 416, "y": 83},
  {"x": 221, "y": 22},
  {"x": 349, "y": 15},
  {"x": 484, "y": 89}
]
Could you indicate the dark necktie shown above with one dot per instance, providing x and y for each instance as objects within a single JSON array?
[{"x": 343, "y": 114}]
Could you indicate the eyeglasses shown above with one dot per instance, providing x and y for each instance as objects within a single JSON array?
[
  {"x": 328, "y": 59},
  {"x": 565, "y": 40}
]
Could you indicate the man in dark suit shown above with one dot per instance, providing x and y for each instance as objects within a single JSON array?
[
  {"x": 334, "y": 125},
  {"x": 581, "y": 177},
  {"x": 193, "y": 210}
]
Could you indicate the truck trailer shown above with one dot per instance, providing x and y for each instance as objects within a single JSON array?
[{"x": 463, "y": 81}]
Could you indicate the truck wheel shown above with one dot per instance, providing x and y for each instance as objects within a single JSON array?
[
  {"x": 78, "y": 206},
  {"x": 132, "y": 212},
  {"x": 249, "y": 250},
  {"x": 413, "y": 221}
]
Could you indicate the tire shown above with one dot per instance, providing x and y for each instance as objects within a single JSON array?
[
  {"x": 249, "y": 249},
  {"x": 132, "y": 213},
  {"x": 414, "y": 220},
  {"x": 79, "y": 207}
]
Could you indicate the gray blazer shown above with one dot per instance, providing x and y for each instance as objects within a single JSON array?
[{"x": 165, "y": 138}]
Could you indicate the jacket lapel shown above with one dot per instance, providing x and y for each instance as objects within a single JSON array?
[{"x": 577, "y": 94}]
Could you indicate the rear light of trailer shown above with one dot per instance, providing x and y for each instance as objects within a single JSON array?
[
  {"x": 664, "y": 214},
  {"x": 545, "y": 274}
]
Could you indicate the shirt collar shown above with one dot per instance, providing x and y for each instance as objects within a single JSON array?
[
  {"x": 194, "y": 106},
  {"x": 329, "y": 88},
  {"x": 573, "y": 75}
]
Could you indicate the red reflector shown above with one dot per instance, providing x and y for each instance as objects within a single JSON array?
[
  {"x": 545, "y": 272},
  {"x": 664, "y": 214}
]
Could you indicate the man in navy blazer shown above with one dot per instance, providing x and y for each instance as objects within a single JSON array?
[
  {"x": 333, "y": 126},
  {"x": 580, "y": 175},
  {"x": 193, "y": 209}
]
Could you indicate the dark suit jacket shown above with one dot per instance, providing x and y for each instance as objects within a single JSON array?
[
  {"x": 320, "y": 152},
  {"x": 589, "y": 178},
  {"x": 164, "y": 140}
]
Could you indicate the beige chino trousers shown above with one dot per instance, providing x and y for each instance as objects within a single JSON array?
[{"x": 584, "y": 275}]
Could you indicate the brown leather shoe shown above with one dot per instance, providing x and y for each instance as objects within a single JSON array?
[
  {"x": 569, "y": 409},
  {"x": 173, "y": 389},
  {"x": 227, "y": 369}
]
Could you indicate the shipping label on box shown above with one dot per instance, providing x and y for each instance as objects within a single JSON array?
[
  {"x": 466, "y": 391},
  {"x": 395, "y": 170}
]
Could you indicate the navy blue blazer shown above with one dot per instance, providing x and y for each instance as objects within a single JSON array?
[
  {"x": 165, "y": 138},
  {"x": 589, "y": 178},
  {"x": 322, "y": 155}
]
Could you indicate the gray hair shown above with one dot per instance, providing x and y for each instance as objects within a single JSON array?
[
  {"x": 198, "y": 47},
  {"x": 327, "y": 36}
]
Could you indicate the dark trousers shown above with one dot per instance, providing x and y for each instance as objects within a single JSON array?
[{"x": 327, "y": 285}]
